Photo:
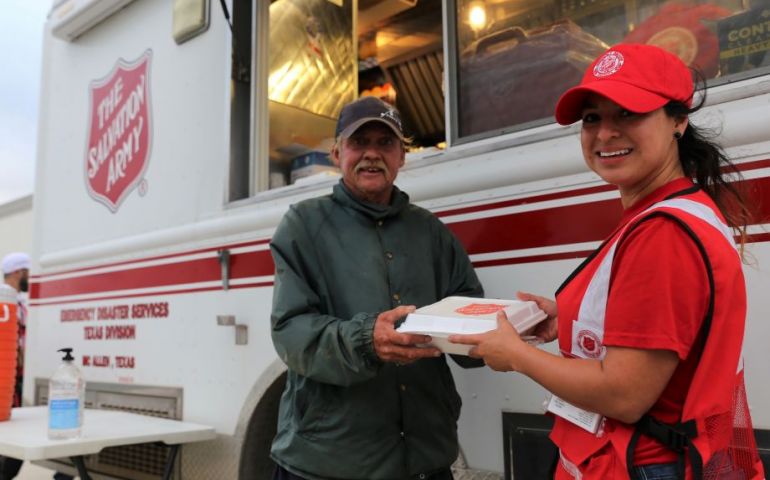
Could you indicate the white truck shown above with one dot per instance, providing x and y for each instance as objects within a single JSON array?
[{"x": 174, "y": 134}]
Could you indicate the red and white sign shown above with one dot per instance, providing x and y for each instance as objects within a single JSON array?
[{"x": 118, "y": 146}]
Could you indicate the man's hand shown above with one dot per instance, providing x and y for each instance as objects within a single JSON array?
[{"x": 401, "y": 348}]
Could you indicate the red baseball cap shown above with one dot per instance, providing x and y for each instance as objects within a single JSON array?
[{"x": 639, "y": 78}]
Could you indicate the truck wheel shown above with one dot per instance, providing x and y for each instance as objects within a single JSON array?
[{"x": 255, "y": 454}]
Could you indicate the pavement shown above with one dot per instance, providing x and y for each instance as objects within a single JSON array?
[
  {"x": 34, "y": 472},
  {"x": 459, "y": 469}
]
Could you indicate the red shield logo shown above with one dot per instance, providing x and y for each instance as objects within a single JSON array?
[
  {"x": 480, "y": 309},
  {"x": 590, "y": 344},
  {"x": 119, "y": 131}
]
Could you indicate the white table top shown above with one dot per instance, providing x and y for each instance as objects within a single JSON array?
[{"x": 25, "y": 435}]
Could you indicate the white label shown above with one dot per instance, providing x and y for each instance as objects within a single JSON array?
[{"x": 584, "y": 419}]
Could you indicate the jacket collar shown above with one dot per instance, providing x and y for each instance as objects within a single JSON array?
[{"x": 398, "y": 201}]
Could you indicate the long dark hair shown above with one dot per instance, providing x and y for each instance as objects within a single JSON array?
[{"x": 704, "y": 161}]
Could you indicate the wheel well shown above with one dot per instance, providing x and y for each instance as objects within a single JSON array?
[{"x": 256, "y": 463}]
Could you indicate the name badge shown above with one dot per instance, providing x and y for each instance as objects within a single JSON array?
[{"x": 584, "y": 419}]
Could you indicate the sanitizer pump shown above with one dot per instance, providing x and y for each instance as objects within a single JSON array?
[{"x": 66, "y": 394}]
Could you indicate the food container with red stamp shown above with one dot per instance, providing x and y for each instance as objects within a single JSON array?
[{"x": 468, "y": 315}]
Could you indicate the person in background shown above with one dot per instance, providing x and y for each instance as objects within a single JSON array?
[
  {"x": 363, "y": 401},
  {"x": 15, "y": 268},
  {"x": 651, "y": 325}
]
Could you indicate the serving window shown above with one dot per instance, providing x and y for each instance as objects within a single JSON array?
[{"x": 295, "y": 63}]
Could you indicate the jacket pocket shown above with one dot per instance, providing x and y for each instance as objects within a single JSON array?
[{"x": 312, "y": 406}]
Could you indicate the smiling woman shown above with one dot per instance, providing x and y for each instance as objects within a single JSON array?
[
  {"x": 637, "y": 378},
  {"x": 635, "y": 151},
  {"x": 627, "y": 138}
]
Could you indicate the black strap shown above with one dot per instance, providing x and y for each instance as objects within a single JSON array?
[
  {"x": 678, "y": 438},
  {"x": 554, "y": 464}
]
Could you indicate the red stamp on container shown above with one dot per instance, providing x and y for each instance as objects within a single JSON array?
[
  {"x": 118, "y": 145},
  {"x": 480, "y": 309}
]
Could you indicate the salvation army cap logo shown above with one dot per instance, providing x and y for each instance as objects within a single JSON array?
[
  {"x": 608, "y": 64},
  {"x": 590, "y": 343},
  {"x": 118, "y": 145},
  {"x": 393, "y": 116}
]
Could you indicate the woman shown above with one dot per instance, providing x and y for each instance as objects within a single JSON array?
[{"x": 651, "y": 324}]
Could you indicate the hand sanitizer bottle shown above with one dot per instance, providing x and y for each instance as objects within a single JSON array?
[{"x": 66, "y": 393}]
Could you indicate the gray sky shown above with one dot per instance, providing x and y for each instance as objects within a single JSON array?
[{"x": 21, "y": 39}]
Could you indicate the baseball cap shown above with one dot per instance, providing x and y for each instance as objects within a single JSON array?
[
  {"x": 14, "y": 262},
  {"x": 639, "y": 78},
  {"x": 365, "y": 110}
]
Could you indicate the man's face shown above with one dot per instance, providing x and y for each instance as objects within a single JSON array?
[
  {"x": 369, "y": 160},
  {"x": 24, "y": 280}
]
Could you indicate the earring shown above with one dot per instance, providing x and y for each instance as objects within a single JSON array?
[{"x": 677, "y": 135}]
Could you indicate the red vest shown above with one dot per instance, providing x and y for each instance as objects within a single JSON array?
[{"x": 711, "y": 399}]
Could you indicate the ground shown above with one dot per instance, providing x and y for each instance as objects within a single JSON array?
[{"x": 33, "y": 472}]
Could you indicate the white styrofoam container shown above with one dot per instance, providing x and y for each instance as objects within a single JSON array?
[{"x": 468, "y": 315}]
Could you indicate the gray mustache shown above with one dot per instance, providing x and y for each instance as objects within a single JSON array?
[{"x": 376, "y": 164}]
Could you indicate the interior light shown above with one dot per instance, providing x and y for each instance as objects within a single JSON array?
[
  {"x": 477, "y": 17},
  {"x": 383, "y": 38}
]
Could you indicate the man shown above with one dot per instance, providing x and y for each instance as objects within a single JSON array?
[
  {"x": 363, "y": 401},
  {"x": 15, "y": 268}
]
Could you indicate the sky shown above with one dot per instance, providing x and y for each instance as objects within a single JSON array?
[{"x": 21, "y": 41}]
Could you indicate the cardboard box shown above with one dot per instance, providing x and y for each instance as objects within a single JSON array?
[
  {"x": 310, "y": 164},
  {"x": 467, "y": 315},
  {"x": 744, "y": 41}
]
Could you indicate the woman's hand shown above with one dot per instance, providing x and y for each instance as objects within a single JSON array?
[
  {"x": 497, "y": 347},
  {"x": 548, "y": 329}
]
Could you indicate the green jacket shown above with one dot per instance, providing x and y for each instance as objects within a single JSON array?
[{"x": 345, "y": 414}]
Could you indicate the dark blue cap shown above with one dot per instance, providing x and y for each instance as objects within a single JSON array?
[{"x": 365, "y": 110}]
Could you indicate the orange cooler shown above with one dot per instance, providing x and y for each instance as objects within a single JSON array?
[{"x": 8, "y": 344}]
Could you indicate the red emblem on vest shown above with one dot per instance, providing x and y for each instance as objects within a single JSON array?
[
  {"x": 589, "y": 343},
  {"x": 119, "y": 131}
]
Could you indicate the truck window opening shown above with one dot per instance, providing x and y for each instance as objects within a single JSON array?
[{"x": 508, "y": 62}]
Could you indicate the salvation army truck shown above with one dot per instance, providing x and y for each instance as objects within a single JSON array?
[{"x": 173, "y": 135}]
